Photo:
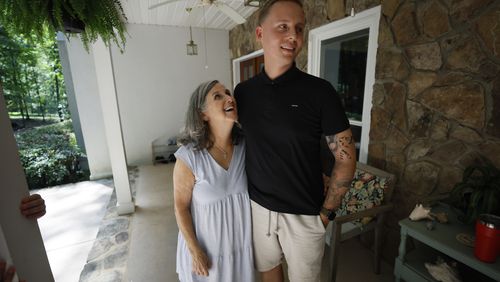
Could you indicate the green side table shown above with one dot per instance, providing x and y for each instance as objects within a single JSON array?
[{"x": 442, "y": 240}]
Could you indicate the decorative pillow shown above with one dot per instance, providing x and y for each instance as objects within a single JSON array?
[{"x": 367, "y": 191}]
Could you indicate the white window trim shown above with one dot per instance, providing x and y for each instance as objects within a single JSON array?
[
  {"x": 237, "y": 61},
  {"x": 367, "y": 19}
]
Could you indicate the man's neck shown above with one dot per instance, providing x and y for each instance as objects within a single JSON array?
[{"x": 274, "y": 71}]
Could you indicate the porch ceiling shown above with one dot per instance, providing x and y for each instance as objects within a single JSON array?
[{"x": 174, "y": 14}]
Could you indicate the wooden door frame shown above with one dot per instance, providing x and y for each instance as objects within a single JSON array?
[{"x": 237, "y": 61}]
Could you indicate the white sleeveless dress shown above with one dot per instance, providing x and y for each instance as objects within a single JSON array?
[{"x": 220, "y": 208}]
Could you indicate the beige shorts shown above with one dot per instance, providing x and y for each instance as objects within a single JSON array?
[{"x": 300, "y": 239}]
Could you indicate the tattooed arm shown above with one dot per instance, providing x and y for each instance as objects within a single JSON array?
[{"x": 342, "y": 147}]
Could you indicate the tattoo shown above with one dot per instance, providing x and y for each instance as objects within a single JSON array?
[
  {"x": 342, "y": 183},
  {"x": 335, "y": 193},
  {"x": 338, "y": 146}
]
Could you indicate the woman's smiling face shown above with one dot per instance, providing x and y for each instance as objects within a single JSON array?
[{"x": 220, "y": 105}]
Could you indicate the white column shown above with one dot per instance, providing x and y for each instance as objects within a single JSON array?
[
  {"x": 70, "y": 90},
  {"x": 20, "y": 241},
  {"x": 109, "y": 104}
]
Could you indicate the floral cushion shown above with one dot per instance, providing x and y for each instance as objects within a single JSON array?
[{"x": 367, "y": 191}]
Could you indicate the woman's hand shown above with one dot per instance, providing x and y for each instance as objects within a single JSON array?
[
  {"x": 201, "y": 263},
  {"x": 7, "y": 273},
  {"x": 32, "y": 206}
]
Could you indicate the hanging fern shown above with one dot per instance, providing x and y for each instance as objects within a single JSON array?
[{"x": 35, "y": 18}]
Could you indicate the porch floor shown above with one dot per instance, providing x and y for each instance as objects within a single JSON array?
[
  {"x": 141, "y": 247},
  {"x": 70, "y": 226},
  {"x": 153, "y": 236}
]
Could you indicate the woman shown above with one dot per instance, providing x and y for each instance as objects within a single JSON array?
[{"x": 212, "y": 206}]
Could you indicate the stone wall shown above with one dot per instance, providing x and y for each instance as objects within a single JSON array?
[{"x": 436, "y": 99}]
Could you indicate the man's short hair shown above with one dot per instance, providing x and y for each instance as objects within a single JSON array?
[{"x": 264, "y": 11}]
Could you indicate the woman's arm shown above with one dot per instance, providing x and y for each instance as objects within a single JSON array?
[{"x": 183, "y": 191}]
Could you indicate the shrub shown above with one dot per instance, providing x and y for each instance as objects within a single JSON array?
[{"x": 50, "y": 155}]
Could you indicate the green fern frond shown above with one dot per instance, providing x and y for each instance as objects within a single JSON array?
[{"x": 34, "y": 18}]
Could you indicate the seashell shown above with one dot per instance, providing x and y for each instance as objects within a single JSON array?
[
  {"x": 441, "y": 271},
  {"x": 419, "y": 213}
]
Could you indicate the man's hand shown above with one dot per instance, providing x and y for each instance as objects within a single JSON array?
[
  {"x": 33, "y": 206},
  {"x": 324, "y": 219}
]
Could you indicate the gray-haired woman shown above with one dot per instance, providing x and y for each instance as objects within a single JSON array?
[{"x": 212, "y": 206}]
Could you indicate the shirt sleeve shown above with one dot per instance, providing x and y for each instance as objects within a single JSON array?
[
  {"x": 186, "y": 154},
  {"x": 333, "y": 117}
]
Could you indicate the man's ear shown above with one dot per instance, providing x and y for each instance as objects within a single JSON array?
[{"x": 258, "y": 33}]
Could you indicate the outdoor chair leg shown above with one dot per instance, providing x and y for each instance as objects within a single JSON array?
[
  {"x": 378, "y": 243},
  {"x": 334, "y": 249}
]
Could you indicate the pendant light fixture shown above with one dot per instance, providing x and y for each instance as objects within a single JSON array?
[{"x": 191, "y": 48}]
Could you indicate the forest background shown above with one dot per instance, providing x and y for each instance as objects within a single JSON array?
[{"x": 35, "y": 94}]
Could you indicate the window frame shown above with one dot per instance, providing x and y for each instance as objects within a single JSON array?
[
  {"x": 368, "y": 19},
  {"x": 237, "y": 61}
]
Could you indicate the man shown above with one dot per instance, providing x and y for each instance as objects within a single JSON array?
[{"x": 284, "y": 113}]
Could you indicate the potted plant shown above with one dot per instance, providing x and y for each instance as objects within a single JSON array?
[
  {"x": 478, "y": 193},
  {"x": 34, "y": 18}
]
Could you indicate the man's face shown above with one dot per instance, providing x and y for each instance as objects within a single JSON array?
[{"x": 282, "y": 33}]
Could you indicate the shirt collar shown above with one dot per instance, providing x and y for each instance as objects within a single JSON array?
[{"x": 286, "y": 76}]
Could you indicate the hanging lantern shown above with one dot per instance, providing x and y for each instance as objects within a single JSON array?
[{"x": 191, "y": 48}]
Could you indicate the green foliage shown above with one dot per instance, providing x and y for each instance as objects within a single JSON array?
[
  {"x": 37, "y": 18},
  {"x": 50, "y": 155},
  {"x": 478, "y": 193},
  {"x": 31, "y": 75}
]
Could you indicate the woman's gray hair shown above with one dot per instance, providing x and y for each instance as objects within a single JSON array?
[{"x": 196, "y": 129}]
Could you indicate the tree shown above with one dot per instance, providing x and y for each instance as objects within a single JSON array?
[{"x": 32, "y": 76}]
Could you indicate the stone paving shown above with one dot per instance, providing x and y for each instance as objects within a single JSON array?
[{"x": 107, "y": 260}]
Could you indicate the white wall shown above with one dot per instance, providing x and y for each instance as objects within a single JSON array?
[{"x": 154, "y": 79}]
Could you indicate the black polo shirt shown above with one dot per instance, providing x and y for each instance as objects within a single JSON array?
[{"x": 283, "y": 120}]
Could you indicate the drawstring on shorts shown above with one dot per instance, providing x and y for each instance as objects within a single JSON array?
[
  {"x": 277, "y": 225},
  {"x": 269, "y": 223}
]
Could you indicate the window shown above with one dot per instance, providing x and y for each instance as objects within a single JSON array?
[
  {"x": 251, "y": 67},
  {"x": 344, "y": 52}
]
